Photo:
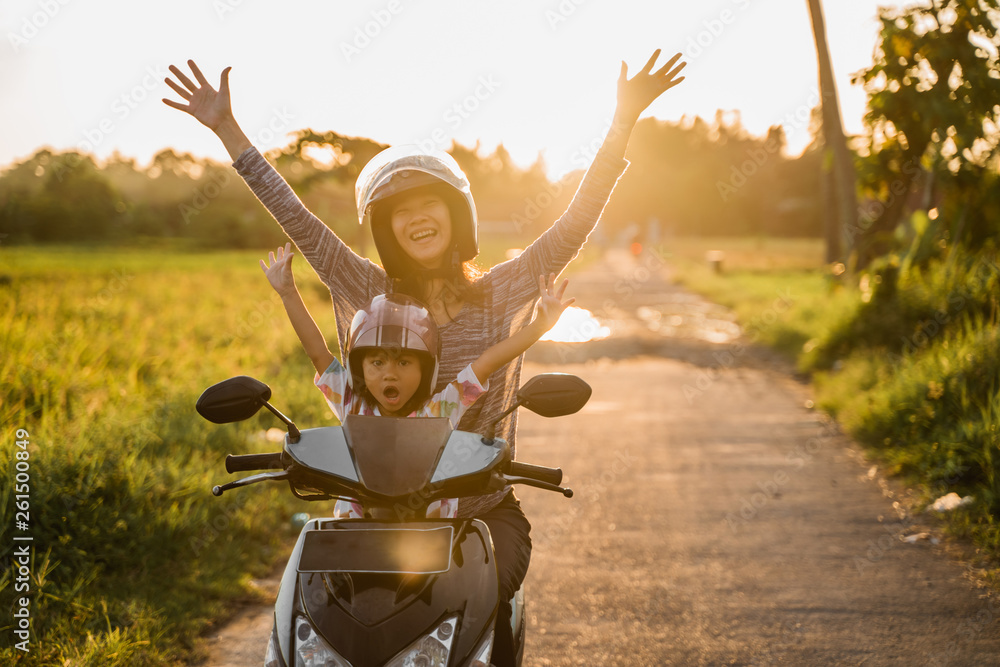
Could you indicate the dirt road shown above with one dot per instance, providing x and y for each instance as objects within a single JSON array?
[{"x": 717, "y": 519}]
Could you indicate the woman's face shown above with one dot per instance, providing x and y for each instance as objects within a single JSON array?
[{"x": 421, "y": 223}]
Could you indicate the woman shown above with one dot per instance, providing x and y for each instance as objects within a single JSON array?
[{"x": 424, "y": 225}]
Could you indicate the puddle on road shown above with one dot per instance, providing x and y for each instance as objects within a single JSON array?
[
  {"x": 688, "y": 316},
  {"x": 678, "y": 316},
  {"x": 577, "y": 325}
]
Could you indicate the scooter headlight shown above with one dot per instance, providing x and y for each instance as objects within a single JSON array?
[
  {"x": 271, "y": 658},
  {"x": 431, "y": 650},
  {"x": 311, "y": 650},
  {"x": 481, "y": 656}
]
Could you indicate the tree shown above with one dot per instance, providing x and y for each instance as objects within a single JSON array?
[
  {"x": 838, "y": 165},
  {"x": 933, "y": 121}
]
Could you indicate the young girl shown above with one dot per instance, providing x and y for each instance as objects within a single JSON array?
[
  {"x": 426, "y": 246},
  {"x": 391, "y": 358}
]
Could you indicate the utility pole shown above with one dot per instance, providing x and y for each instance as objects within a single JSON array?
[{"x": 838, "y": 165}]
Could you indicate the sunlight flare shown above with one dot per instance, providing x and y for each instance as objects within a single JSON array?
[{"x": 577, "y": 325}]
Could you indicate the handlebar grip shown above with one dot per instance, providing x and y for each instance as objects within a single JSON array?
[
  {"x": 243, "y": 462},
  {"x": 541, "y": 473}
]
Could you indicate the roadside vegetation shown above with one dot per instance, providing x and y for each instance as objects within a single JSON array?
[
  {"x": 902, "y": 355},
  {"x": 900, "y": 336}
]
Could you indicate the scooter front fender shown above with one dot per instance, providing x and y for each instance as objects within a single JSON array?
[{"x": 369, "y": 618}]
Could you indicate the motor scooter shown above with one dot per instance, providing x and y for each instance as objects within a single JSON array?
[{"x": 394, "y": 588}]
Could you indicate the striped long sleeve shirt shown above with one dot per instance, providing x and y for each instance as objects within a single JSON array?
[{"x": 509, "y": 289}]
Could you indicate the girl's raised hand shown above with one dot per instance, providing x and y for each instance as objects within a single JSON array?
[
  {"x": 279, "y": 273},
  {"x": 637, "y": 93},
  {"x": 551, "y": 305},
  {"x": 211, "y": 107}
]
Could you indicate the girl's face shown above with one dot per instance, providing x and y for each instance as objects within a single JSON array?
[
  {"x": 421, "y": 223},
  {"x": 392, "y": 379}
]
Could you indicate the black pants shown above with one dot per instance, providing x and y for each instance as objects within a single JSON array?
[{"x": 512, "y": 548}]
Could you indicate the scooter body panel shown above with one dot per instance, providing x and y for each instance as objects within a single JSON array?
[{"x": 369, "y": 618}]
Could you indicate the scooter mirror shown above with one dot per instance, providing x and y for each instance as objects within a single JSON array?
[
  {"x": 233, "y": 400},
  {"x": 554, "y": 394}
]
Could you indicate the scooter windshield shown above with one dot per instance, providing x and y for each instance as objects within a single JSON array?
[{"x": 396, "y": 455}]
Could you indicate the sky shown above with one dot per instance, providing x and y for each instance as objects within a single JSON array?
[{"x": 538, "y": 76}]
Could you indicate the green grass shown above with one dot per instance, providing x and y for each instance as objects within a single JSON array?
[
  {"x": 778, "y": 289},
  {"x": 105, "y": 353}
]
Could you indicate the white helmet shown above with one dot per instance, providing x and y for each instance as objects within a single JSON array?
[{"x": 400, "y": 169}]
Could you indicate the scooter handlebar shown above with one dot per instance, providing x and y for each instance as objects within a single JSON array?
[
  {"x": 541, "y": 473},
  {"x": 245, "y": 462}
]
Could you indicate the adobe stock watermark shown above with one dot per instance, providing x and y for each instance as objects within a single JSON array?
[
  {"x": 459, "y": 112},
  {"x": 897, "y": 533},
  {"x": 365, "y": 34},
  {"x": 872, "y": 210},
  {"x": 533, "y": 206},
  {"x": 120, "y": 109},
  {"x": 221, "y": 520},
  {"x": 957, "y": 301},
  {"x": 727, "y": 358},
  {"x": 712, "y": 30},
  {"x": 205, "y": 194},
  {"x": 587, "y": 496},
  {"x": 740, "y": 175},
  {"x": 562, "y": 12},
  {"x": 771, "y": 488},
  {"x": 225, "y": 7},
  {"x": 968, "y": 630},
  {"x": 648, "y": 266},
  {"x": 116, "y": 284},
  {"x": 262, "y": 312},
  {"x": 585, "y": 153},
  {"x": 32, "y": 25},
  {"x": 582, "y": 157}
]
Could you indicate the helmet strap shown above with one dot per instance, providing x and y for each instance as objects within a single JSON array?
[{"x": 449, "y": 272}]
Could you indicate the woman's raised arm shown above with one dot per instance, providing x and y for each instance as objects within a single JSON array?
[
  {"x": 211, "y": 107},
  {"x": 636, "y": 94},
  {"x": 557, "y": 246},
  {"x": 340, "y": 268}
]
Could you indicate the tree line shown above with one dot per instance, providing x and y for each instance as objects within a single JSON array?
[
  {"x": 693, "y": 177},
  {"x": 930, "y": 145}
]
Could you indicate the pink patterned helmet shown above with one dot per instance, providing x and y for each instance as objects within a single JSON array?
[{"x": 394, "y": 322}]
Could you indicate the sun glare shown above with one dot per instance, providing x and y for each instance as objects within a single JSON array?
[{"x": 577, "y": 325}]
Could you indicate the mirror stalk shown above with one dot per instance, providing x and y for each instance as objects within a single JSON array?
[
  {"x": 491, "y": 434},
  {"x": 293, "y": 432}
]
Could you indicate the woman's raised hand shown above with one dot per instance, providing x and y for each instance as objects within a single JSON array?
[
  {"x": 637, "y": 93},
  {"x": 279, "y": 273},
  {"x": 211, "y": 107},
  {"x": 551, "y": 305}
]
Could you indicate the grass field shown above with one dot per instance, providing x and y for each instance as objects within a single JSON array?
[{"x": 105, "y": 353}]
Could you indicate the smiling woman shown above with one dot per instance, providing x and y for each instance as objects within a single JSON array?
[
  {"x": 426, "y": 249},
  {"x": 424, "y": 223},
  {"x": 421, "y": 225}
]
